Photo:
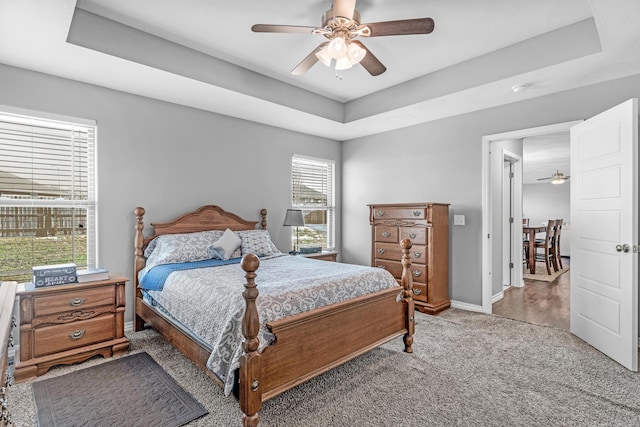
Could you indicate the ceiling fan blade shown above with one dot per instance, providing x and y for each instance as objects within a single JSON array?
[
  {"x": 266, "y": 28},
  {"x": 308, "y": 62},
  {"x": 399, "y": 28},
  {"x": 370, "y": 62},
  {"x": 344, "y": 8},
  {"x": 544, "y": 179}
]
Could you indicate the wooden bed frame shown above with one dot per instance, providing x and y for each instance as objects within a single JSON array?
[{"x": 308, "y": 344}]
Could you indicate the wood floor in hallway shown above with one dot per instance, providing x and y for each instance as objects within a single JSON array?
[{"x": 538, "y": 302}]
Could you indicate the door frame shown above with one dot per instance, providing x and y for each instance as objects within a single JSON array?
[
  {"x": 487, "y": 195},
  {"x": 515, "y": 228}
]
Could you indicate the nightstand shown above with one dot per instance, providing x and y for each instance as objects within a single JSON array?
[
  {"x": 324, "y": 255},
  {"x": 67, "y": 324}
]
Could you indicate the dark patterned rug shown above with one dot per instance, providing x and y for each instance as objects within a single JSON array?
[{"x": 129, "y": 391}]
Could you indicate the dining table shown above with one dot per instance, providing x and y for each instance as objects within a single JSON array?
[{"x": 531, "y": 234}]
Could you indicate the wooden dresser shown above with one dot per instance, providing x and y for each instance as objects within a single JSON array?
[
  {"x": 67, "y": 324},
  {"x": 427, "y": 226},
  {"x": 7, "y": 299}
]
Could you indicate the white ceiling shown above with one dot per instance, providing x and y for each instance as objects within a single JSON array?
[{"x": 202, "y": 54}]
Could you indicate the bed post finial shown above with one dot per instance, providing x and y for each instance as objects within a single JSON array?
[
  {"x": 251, "y": 362},
  {"x": 407, "y": 293},
  {"x": 263, "y": 215}
]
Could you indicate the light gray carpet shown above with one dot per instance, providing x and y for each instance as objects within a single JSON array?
[
  {"x": 128, "y": 391},
  {"x": 468, "y": 369}
]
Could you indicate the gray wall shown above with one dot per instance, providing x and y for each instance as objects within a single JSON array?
[
  {"x": 441, "y": 161},
  {"x": 170, "y": 159}
]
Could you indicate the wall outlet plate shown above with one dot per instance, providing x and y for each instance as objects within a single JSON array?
[{"x": 458, "y": 220}]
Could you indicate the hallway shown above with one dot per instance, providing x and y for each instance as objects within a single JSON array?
[{"x": 538, "y": 302}]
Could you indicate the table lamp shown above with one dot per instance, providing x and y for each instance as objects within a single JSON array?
[{"x": 294, "y": 218}]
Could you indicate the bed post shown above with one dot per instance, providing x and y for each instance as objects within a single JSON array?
[
  {"x": 407, "y": 293},
  {"x": 251, "y": 362},
  {"x": 138, "y": 264},
  {"x": 263, "y": 215}
]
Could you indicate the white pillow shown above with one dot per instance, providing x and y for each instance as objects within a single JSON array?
[{"x": 226, "y": 245}]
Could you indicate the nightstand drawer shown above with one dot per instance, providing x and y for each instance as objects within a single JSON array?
[
  {"x": 73, "y": 299},
  {"x": 54, "y": 339}
]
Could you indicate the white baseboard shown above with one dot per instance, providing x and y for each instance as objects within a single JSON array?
[
  {"x": 497, "y": 297},
  {"x": 128, "y": 326},
  {"x": 466, "y": 306}
]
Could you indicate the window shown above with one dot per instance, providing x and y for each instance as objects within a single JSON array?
[
  {"x": 312, "y": 190},
  {"x": 47, "y": 194}
]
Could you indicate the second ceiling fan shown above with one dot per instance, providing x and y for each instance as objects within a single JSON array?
[{"x": 341, "y": 26}]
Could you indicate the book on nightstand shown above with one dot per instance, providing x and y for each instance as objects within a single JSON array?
[
  {"x": 51, "y": 275},
  {"x": 92, "y": 274}
]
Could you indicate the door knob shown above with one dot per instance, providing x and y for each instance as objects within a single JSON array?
[{"x": 623, "y": 248}]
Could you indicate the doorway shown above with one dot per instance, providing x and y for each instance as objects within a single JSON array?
[{"x": 492, "y": 203}]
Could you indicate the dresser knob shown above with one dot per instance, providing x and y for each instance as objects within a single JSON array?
[
  {"x": 417, "y": 213},
  {"x": 417, "y": 273},
  {"x": 381, "y": 251},
  {"x": 386, "y": 234},
  {"x": 412, "y": 235},
  {"x": 380, "y": 213},
  {"x": 77, "y": 334},
  {"x": 417, "y": 291},
  {"x": 76, "y": 302},
  {"x": 417, "y": 254}
]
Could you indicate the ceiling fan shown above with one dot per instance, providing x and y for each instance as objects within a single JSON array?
[
  {"x": 557, "y": 178},
  {"x": 341, "y": 26}
]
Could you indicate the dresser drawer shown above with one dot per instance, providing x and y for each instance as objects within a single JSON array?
[
  {"x": 398, "y": 213},
  {"x": 420, "y": 292},
  {"x": 419, "y": 273},
  {"x": 393, "y": 267},
  {"x": 73, "y": 299},
  {"x": 386, "y": 234},
  {"x": 417, "y": 235},
  {"x": 393, "y": 252},
  {"x": 54, "y": 339}
]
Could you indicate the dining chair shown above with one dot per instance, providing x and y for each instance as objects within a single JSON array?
[
  {"x": 559, "y": 223},
  {"x": 548, "y": 246}
]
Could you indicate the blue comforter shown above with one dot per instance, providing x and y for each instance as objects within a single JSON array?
[{"x": 153, "y": 280}]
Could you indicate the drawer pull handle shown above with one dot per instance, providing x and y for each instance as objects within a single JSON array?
[
  {"x": 380, "y": 213},
  {"x": 386, "y": 234},
  {"x": 417, "y": 291},
  {"x": 381, "y": 251},
  {"x": 77, "y": 302},
  {"x": 412, "y": 235},
  {"x": 384, "y": 267},
  {"x": 417, "y": 213},
  {"x": 77, "y": 334},
  {"x": 417, "y": 254},
  {"x": 417, "y": 273}
]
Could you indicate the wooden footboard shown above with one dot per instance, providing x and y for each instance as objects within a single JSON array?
[{"x": 311, "y": 343}]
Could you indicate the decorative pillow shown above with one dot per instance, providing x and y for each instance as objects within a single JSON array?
[
  {"x": 257, "y": 242},
  {"x": 224, "y": 247},
  {"x": 185, "y": 247}
]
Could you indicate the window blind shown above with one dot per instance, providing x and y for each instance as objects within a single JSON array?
[
  {"x": 47, "y": 194},
  {"x": 312, "y": 190}
]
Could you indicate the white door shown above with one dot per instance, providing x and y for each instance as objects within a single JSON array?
[{"x": 604, "y": 232}]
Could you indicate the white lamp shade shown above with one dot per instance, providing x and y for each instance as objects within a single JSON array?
[
  {"x": 323, "y": 56},
  {"x": 343, "y": 63},
  {"x": 356, "y": 53},
  {"x": 337, "y": 48}
]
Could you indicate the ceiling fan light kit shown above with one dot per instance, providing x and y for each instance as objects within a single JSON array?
[
  {"x": 557, "y": 178},
  {"x": 341, "y": 25}
]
